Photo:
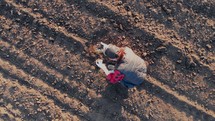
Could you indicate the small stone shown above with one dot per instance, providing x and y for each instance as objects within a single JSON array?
[
  {"x": 115, "y": 25},
  {"x": 170, "y": 19},
  {"x": 7, "y": 27},
  {"x": 38, "y": 102},
  {"x": 119, "y": 3},
  {"x": 89, "y": 71},
  {"x": 191, "y": 31},
  {"x": 144, "y": 54},
  {"x": 194, "y": 83},
  {"x": 173, "y": 72},
  {"x": 92, "y": 67},
  {"x": 127, "y": 7},
  {"x": 192, "y": 64},
  {"x": 151, "y": 114},
  {"x": 194, "y": 73},
  {"x": 129, "y": 13},
  {"x": 120, "y": 26},
  {"x": 166, "y": 10},
  {"x": 202, "y": 57},
  {"x": 161, "y": 49},
  {"x": 147, "y": 116},
  {"x": 134, "y": 14},
  {"x": 136, "y": 19},
  {"x": 103, "y": 20},
  {"x": 208, "y": 46},
  {"x": 39, "y": 110},
  {"x": 179, "y": 61},
  {"x": 69, "y": 67}
]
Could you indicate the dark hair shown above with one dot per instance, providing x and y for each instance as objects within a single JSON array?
[
  {"x": 111, "y": 53},
  {"x": 116, "y": 55}
]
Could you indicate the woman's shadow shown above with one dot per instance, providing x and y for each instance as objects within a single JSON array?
[
  {"x": 110, "y": 105},
  {"x": 116, "y": 91}
]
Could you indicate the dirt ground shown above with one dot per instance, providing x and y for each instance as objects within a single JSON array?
[{"x": 48, "y": 71}]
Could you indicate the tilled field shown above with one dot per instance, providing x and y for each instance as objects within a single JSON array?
[{"x": 48, "y": 72}]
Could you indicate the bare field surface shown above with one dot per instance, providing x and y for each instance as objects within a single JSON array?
[{"x": 48, "y": 72}]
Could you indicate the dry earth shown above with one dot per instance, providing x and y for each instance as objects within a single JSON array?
[{"x": 48, "y": 72}]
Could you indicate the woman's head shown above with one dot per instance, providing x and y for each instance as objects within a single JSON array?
[
  {"x": 111, "y": 53},
  {"x": 114, "y": 53}
]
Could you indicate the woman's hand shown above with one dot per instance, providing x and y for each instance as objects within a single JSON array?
[
  {"x": 100, "y": 64},
  {"x": 103, "y": 49},
  {"x": 105, "y": 46}
]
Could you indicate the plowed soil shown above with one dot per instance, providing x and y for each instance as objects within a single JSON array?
[{"x": 48, "y": 71}]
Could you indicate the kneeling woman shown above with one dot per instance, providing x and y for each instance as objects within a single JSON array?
[{"x": 129, "y": 69}]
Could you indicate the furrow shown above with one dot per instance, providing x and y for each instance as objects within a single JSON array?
[
  {"x": 61, "y": 99},
  {"x": 47, "y": 23},
  {"x": 205, "y": 8},
  {"x": 180, "y": 97},
  {"x": 31, "y": 108},
  {"x": 7, "y": 114}
]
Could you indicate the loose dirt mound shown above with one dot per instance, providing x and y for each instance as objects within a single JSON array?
[{"x": 47, "y": 70}]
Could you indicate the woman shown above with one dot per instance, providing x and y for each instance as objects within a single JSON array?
[{"x": 130, "y": 70}]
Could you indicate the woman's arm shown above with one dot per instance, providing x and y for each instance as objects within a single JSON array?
[{"x": 113, "y": 76}]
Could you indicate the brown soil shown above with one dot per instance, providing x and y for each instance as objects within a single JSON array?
[{"x": 48, "y": 72}]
